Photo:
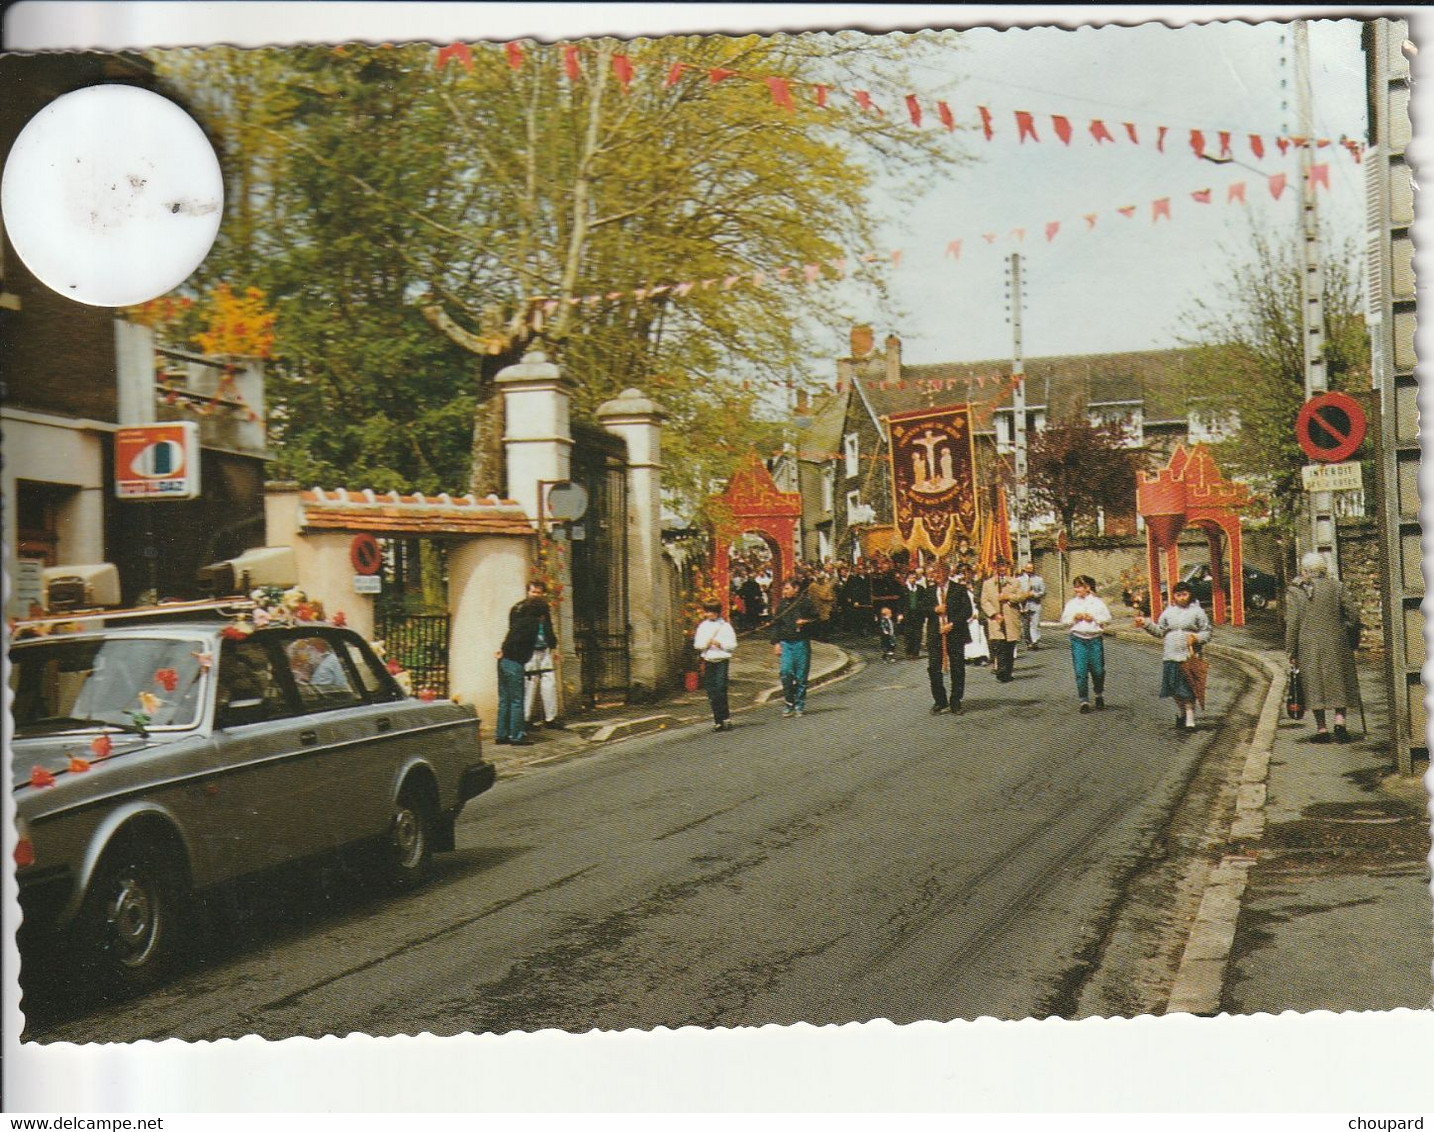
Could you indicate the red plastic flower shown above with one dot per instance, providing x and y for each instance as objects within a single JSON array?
[
  {"x": 304, "y": 613},
  {"x": 394, "y": 668},
  {"x": 233, "y": 633},
  {"x": 78, "y": 765},
  {"x": 427, "y": 695},
  {"x": 39, "y": 776},
  {"x": 167, "y": 678},
  {"x": 102, "y": 745},
  {"x": 340, "y": 620}
]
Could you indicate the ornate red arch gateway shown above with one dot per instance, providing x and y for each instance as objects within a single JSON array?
[
  {"x": 1190, "y": 491},
  {"x": 753, "y": 504}
]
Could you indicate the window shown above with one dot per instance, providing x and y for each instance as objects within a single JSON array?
[
  {"x": 375, "y": 681},
  {"x": 322, "y": 678},
  {"x": 852, "y": 448},
  {"x": 250, "y": 690},
  {"x": 1210, "y": 426}
]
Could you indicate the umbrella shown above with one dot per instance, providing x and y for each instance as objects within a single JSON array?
[{"x": 1197, "y": 672}]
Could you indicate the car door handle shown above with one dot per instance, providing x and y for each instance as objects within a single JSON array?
[
  {"x": 308, "y": 738},
  {"x": 384, "y": 724}
]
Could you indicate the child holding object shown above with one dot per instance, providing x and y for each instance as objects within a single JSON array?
[
  {"x": 715, "y": 641},
  {"x": 1184, "y": 628},
  {"x": 886, "y": 626},
  {"x": 1086, "y": 616}
]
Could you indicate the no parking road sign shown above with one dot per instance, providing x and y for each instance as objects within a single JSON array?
[{"x": 1330, "y": 427}]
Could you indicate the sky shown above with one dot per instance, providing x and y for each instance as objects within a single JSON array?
[{"x": 1114, "y": 288}]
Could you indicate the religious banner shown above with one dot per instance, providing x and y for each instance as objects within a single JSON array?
[{"x": 933, "y": 477}]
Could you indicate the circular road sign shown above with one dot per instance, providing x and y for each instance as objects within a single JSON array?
[
  {"x": 365, "y": 555},
  {"x": 1330, "y": 427},
  {"x": 567, "y": 501}
]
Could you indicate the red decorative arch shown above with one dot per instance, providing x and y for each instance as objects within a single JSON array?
[
  {"x": 753, "y": 504},
  {"x": 1190, "y": 491}
]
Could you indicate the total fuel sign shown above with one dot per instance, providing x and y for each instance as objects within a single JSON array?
[{"x": 159, "y": 461}]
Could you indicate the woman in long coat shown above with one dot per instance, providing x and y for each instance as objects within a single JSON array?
[{"x": 1318, "y": 614}]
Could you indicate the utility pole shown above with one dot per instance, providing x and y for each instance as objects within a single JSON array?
[
  {"x": 1018, "y": 405},
  {"x": 1323, "y": 537}
]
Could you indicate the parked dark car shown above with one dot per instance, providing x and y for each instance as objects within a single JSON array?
[
  {"x": 154, "y": 759},
  {"x": 1261, "y": 588}
]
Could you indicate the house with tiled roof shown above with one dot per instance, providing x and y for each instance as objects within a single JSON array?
[{"x": 1155, "y": 394}]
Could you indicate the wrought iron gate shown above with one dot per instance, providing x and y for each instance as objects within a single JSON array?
[
  {"x": 417, "y": 641},
  {"x": 599, "y": 567}
]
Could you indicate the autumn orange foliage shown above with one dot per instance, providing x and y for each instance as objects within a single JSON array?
[{"x": 238, "y": 324}]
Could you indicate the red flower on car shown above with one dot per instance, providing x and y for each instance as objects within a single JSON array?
[
  {"x": 39, "y": 776},
  {"x": 102, "y": 745},
  {"x": 167, "y": 678}
]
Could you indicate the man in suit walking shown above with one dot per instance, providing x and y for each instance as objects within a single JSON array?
[
  {"x": 1002, "y": 597},
  {"x": 945, "y": 608}
]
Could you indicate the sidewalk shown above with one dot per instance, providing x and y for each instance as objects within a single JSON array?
[
  {"x": 1322, "y": 899},
  {"x": 753, "y": 683}
]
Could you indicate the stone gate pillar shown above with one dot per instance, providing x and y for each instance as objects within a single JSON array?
[
  {"x": 538, "y": 450},
  {"x": 638, "y": 422}
]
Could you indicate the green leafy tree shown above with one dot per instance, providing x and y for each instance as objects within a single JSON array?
[
  {"x": 1253, "y": 357},
  {"x": 391, "y": 198}
]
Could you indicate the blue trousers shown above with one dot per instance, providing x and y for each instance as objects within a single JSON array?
[
  {"x": 511, "y": 722},
  {"x": 796, "y": 664},
  {"x": 1088, "y": 658},
  {"x": 716, "y": 680}
]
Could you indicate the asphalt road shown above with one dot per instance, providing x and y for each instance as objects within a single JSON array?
[{"x": 869, "y": 860}]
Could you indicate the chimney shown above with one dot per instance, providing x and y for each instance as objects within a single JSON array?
[
  {"x": 893, "y": 358},
  {"x": 863, "y": 341}
]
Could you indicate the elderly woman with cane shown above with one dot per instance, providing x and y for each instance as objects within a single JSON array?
[{"x": 1321, "y": 633}]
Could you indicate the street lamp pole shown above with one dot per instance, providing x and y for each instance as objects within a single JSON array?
[
  {"x": 1323, "y": 536},
  {"x": 1018, "y": 406}
]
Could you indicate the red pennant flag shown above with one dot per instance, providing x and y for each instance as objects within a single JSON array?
[
  {"x": 758, "y": 278},
  {"x": 730, "y": 282},
  {"x": 1225, "y": 144},
  {"x": 570, "y": 62},
  {"x": 1018, "y": 234},
  {"x": 1277, "y": 185},
  {"x": 1284, "y": 144},
  {"x": 457, "y": 51},
  {"x": 896, "y": 258},
  {"x": 1131, "y": 134},
  {"x": 1160, "y": 208},
  {"x": 1321, "y": 143},
  {"x": 39, "y": 776},
  {"x": 1257, "y": 146},
  {"x": 1099, "y": 132},
  {"x": 1128, "y": 211},
  {"x": 986, "y": 122},
  {"x": 1197, "y": 142},
  {"x": 674, "y": 74},
  {"x": 1237, "y": 192},
  {"x": 514, "y": 51},
  {"x": 1025, "y": 124},
  {"x": 953, "y": 249},
  {"x": 782, "y": 274},
  {"x": 1160, "y": 140},
  {"x": 839, "y": 264},
  {"x": 622, "y": 68},
  {"x": 1201, "y": 197},
  {"x": 682, "y": 290},
  {"x": 913, "y": 108},
  {"x": 944, "y": 113},
  {"x": 811, "y": 271},
  {"x": 822, "y": 94},
  {"x": 781, "y": 93},
  {"x": 863, "y": 99},
  {"x": 1319, "y": 175},
  {"x": 1089, "y": 221},
  {"x": 981, "y": 380},
  {"x": 989, "y": 237},
  {"x": 717, "y": 74},
  {"x": 1299, "y": 143},
  {"x": 1051, "y": 229},
  {"x": 1062, "y": 127}
]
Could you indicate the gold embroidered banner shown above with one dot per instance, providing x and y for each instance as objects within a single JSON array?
[{"x": 933, "y": 477}]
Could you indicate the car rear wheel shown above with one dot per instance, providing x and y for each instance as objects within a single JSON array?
[
  {"x": 132, "y": 924},
  {"x": 1257, "y": 601},
  {"x": 408, "y": 849}
]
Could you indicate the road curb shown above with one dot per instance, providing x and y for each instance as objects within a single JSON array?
[
  {"x": 826, "y": 676},
  {"x": 626, "y": 728},
  {"x": 1200, "y": 978}
]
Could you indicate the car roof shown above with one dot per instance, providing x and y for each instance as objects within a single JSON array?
[{"x": 187, "y": 628}]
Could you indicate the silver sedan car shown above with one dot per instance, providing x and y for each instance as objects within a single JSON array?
[{"x": 154, "y": 759}]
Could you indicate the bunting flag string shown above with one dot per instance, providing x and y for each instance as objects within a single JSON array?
[
  {"x": 1162, "y": 208},
  {"x": 782, "y": 89}
]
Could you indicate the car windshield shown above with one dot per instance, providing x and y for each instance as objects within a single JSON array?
[{"x": 91, "y": 684}]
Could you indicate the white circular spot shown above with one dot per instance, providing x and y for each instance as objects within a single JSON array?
[{"x": 112, "y": 195}]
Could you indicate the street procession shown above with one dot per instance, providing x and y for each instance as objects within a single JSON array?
[{"x": 576, "y": 533}]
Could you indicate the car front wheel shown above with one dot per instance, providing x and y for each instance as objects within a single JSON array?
[
  {"x": 408, "y": 849},
  {"x": 132, "y": 922}
]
